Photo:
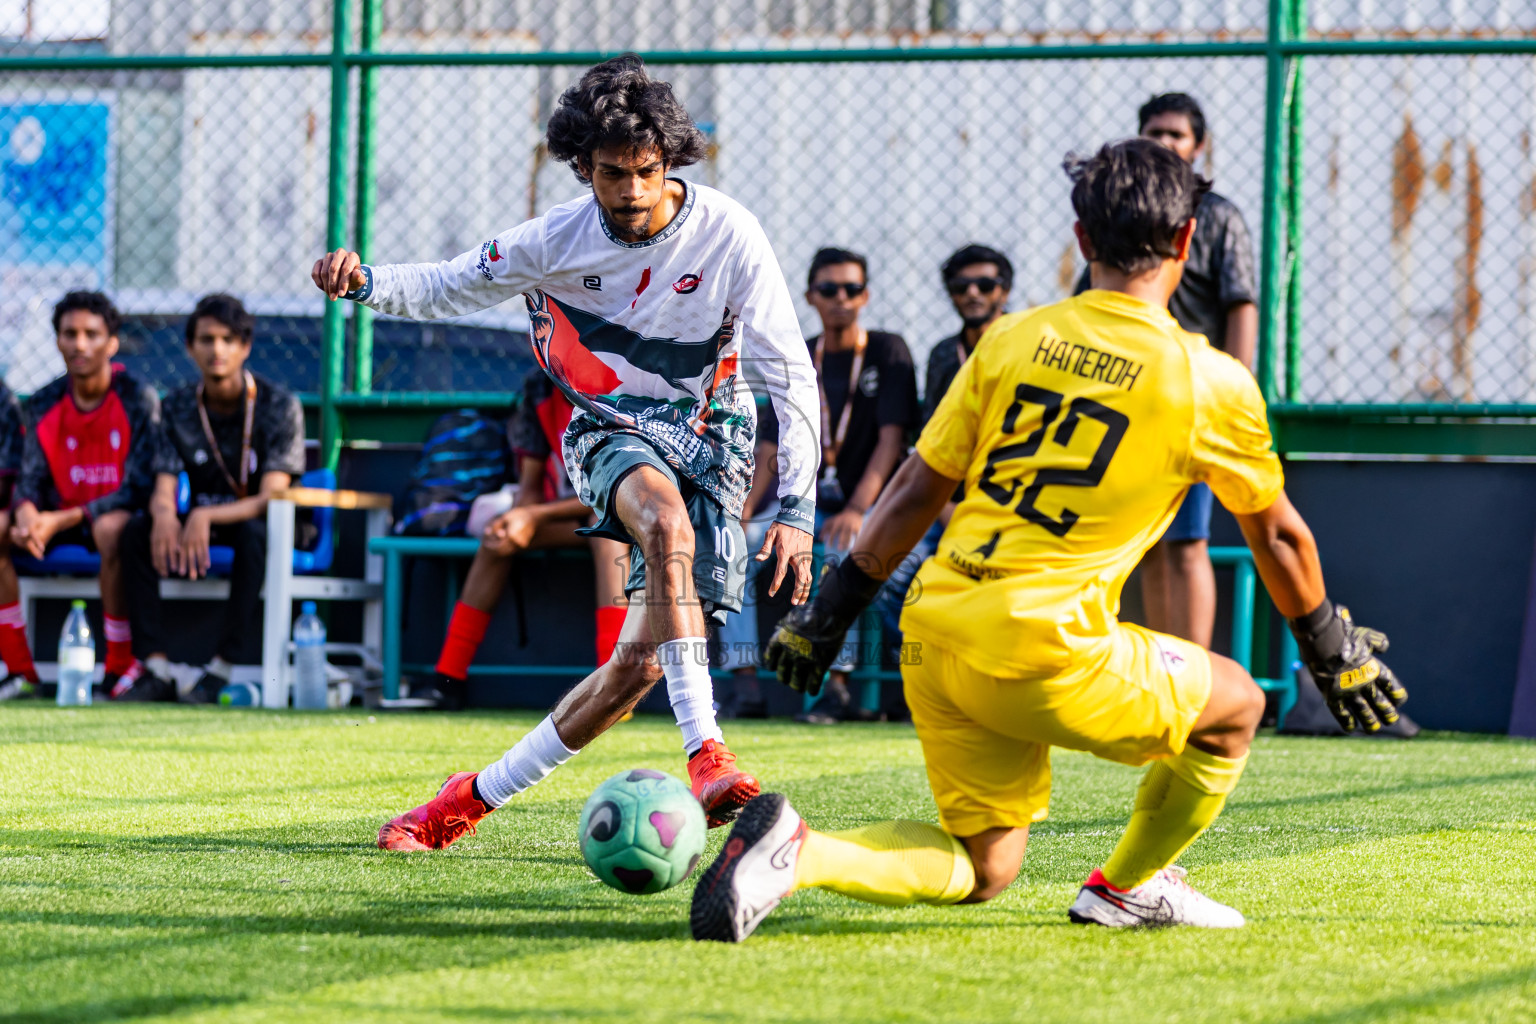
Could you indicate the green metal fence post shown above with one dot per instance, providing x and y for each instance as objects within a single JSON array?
[
  {"x": 333, "y": 340},
  {"x": 1295, "y": 125},
  {"x": 1270, "y": 264},
  {"x": 367, "y": 192}
]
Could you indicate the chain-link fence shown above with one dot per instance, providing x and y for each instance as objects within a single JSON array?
[{"x": 1381, "y": 153}]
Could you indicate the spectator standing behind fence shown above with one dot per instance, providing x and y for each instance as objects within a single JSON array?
[
  {"x": 546, "y": 513},
  {"x": 978, "y": 279},
  {"x": 87, "y": 465},
  {"x": 868, "y": 407},
  {"x": 20, "y": 674},
  {"x": 1216, "y": 298},
  {"x": 240, "y": 439}
]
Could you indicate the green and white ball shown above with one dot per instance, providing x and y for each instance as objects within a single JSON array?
[{"x": 642, "y": 831}]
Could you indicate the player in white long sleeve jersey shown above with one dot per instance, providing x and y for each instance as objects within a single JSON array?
[{"x": 646, "y": 299}]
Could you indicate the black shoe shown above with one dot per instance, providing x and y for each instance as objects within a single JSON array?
[
  {"x": 139, "y": 685},
  {"x": 824, "y": 712},
  {"x": 445, "y": 693},
  {"x": 859, "y": 713},
  {"x": 738, "y": 708},
  {"x": 206, "y": 689}
]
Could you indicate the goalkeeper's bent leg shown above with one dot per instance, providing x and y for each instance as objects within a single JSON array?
[
  {"x": 1179, "y": 797},
  {"x": 1177, "y": 800},
  {"x": 896, "y": 863}
]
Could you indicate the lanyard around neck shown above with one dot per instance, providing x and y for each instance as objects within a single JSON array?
[
  {"x": 240, "y": 487},
  {"x": 829, "y": 451}
]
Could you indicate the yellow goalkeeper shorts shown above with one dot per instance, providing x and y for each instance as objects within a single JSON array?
[{"x": 987, "y": 740}]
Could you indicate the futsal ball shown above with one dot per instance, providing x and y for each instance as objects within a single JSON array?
[{"x": 642, "y": 831}]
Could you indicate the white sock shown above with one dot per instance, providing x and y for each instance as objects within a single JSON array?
[
  {"x": 528, "y": 762},
  {"x": 219, "y": 667},
  {"x": 159, "y": 664},
  {"x": 685, "y": 662}
]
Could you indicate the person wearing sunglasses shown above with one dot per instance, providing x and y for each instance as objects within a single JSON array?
[
  {"x": 1215, "y": 298},
  {"x": 978, "y": 279},
  {"x": 868, "y": 406}
]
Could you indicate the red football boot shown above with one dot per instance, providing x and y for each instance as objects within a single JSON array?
[
  {"x": 722, "y": 789},
  {"x": 440, "y": 821}
]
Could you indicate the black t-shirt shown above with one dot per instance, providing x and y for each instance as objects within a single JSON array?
[
  {"x": 943, "y": 363},
  {"x": 1219, "y": 274},
  {"x": 886, "y": 396},
  {"x": 277, "y": 440}
]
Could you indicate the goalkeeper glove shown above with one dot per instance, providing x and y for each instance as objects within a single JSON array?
[
  {"x": 806, "y": 641},
  {"x": 1357, "y": 686}
]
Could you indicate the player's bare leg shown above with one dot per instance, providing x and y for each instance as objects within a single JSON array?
[
  {"x": 653, "y": 512},
  {"x": 586, "y": 711},
  {"x": 1178, "y": 799}
]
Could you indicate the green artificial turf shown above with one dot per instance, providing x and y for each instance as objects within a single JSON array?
[{"x": 214, "y": 865}]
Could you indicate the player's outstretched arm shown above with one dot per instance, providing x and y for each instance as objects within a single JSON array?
[
  {"x": 1340, "y": 655},
  {"x": 807, "y": 639}
]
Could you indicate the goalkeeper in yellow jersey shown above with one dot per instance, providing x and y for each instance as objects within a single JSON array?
[{"x": 1076, "y": 428}]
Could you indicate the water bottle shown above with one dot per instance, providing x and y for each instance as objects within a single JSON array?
[
  {"x": 310, "y": 686},
  {"x": 77, "y": 658}
]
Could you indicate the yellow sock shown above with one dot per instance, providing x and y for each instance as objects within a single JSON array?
[
  {"x": 1177, "y": 800},
  {"x": 890, "y": 862}
]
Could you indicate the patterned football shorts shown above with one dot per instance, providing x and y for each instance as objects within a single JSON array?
[{"x": 719, "y": 546}]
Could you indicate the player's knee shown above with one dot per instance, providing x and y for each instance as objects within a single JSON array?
[
  {"x": 665, "y": 531},
  {"x": 993, "y": 875},
  {"x": 107, "y": 533},
  {"x": 1253, "y": 703},
  {"x": 1188, "y": 555}
]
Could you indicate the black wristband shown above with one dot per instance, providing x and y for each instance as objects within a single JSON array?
[
  {"x": 845, "y": 592},
  {"x": 1319, "y": 634}
]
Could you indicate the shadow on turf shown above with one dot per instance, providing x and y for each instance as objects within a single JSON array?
[
  {"x": 1390, "y": 1007},
  {"x": 121, "y": 1009}
]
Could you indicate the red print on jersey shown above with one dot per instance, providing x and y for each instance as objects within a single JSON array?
[
  {"x": 86, "y": 451},
  {"x": 687, "y": 284},
  {"x": 569, "y": 359},
  {"x": 645, "y": 282}
]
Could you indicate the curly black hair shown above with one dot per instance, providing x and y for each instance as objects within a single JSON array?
[
  {"x": 618, "y": 103},
  {"x": 1132, "y": 198},
  {"x": 90, "y": 302}
]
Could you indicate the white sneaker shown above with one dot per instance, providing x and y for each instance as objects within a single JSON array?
[
  {"x": 1165, "y": 898},
  {"x": 16, "y": 686},
  {"x": 755, "y": 870}
]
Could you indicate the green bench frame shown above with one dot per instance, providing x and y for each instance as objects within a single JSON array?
[{"x": 394, "y": 551}]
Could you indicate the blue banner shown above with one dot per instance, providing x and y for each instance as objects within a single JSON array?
[{"x": 55, "y": 190}]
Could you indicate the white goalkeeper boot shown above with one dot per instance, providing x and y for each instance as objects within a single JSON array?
[
  {"x": 1165, "y": 898},
  {"x": 754, "y": 871}
]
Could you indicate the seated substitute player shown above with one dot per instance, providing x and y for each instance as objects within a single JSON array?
[
  {"x": 1077, "y": 428},
  {"x": 20, "y": 674},
  {"x": 240, "y": 439},
  {"x": 645, "y": 297},
  {"x": 545, "y": 514},
  {"x": 87, "y": 465}
]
